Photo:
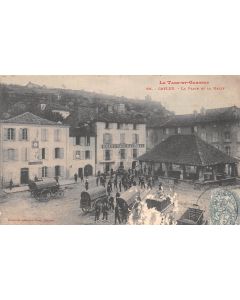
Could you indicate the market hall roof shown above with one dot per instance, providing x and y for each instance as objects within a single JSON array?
[
  {"x": 223, "y": 114},
  {"x": 186, "y": 150},
  {"x": 29, "y": 118}
]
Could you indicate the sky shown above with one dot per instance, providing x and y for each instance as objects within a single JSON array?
[{"x": 182, "y": 98}]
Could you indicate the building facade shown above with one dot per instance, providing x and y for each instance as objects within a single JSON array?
[
  {"x": 31, "y": 147},
  {"x": 119, "y": 142},
  {"x": 81, "y": 156},
  {"x": 219, "y": 127}
]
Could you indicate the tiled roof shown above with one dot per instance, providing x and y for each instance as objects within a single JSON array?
[
  {"x": 120, "y": 117},
  {"x": 225, "y": 114},
  {"x": 29, "y": 118},
  {"x": 82, "y": 131},
  {"x": 187, "y": 150}
]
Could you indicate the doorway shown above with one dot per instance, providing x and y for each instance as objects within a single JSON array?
[{"x": 24, "y": 176}]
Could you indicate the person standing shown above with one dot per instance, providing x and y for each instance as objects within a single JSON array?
[
  {"x": 97, "y": 180},
  {"x": 82, "y": 179},
  {"x": 105, "y": 210},
  {"x": 117, "y": 215},
  {"x": 115, "y": 182},
  {"x": 86, "y": 185},
  {"x": 111, "y": 203},
  {"x": 97, "y": 212},
  {"x": 120, "y": 186},
  {"x": 75, "y": 177}
]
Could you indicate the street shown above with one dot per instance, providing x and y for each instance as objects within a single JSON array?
[{"x": 21, "y": 208}]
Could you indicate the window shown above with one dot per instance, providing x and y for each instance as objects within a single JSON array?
[
  {"x": 58, "y": 171},
  {"x": 227, "y": 135},
  {"x": 23, "y": 134},
  {"x": 44, "y": 134},
  {"x": 122, "y": 153},
  {"x": 228, "y": 150},
  {"x": 122, "y": 138},
  {"x": 77, "y": 154},
  {"x": 134, "y": 126},
  {"x": 165, "y": 131},
  {"x": 119, "y": 126},
  {"x": 107, "y": 138},
  {"x": 57, "y": 135},
  {"x": 135, "y": 138},
  {"x": 11, "y": 154},
  {"x": 82, "y": 141},
  {"x": 43, "y": 153},
  {"x": 106, "y": 125},
  {"x": 107, "y": 154},
  {"x": 44, "y": 171},
  {"x": 179, "y": 130},
  {"x": 77, "y": 140},
  {"x": 87, "y": 154},
  {"x": 11, "y": 134},
  {"x": 135, "y": 153},
  {"x": 59, "y": 153},
  {"x": 88, "y": 140}
]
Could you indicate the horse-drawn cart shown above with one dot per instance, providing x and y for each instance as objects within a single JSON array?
[
  {"x": 45, "y": 190},
  {"x": 90, "y": 197}
]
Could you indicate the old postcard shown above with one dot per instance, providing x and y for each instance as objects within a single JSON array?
[{"x": 125, "y": 150}]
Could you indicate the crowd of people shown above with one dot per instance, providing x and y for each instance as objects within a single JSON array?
[{"x": 116, "y": 184}]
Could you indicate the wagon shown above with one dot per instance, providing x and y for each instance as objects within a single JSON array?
[
  {"x": 90, "y": 197},
  {"x": 192, "y": 216},
  {"x": 160, "y": 204},
  {"x": 129, "y": 196},
  {"x": 45, "y": 190}
]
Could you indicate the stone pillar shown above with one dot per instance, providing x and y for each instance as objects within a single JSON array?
[{"x": 214, "y": 173}]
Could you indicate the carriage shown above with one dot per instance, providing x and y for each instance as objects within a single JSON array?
[
  {"x": 45, "y": 190},
  {"x": 129, "y": 197},
  {"x": 192, "y": 216},
  {"x": 91, "y": 197}
]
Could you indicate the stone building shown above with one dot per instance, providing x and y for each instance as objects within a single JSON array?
[
  {"x": 30, "y": 147},
  {"x": 120, "y": 139},
  {"x": 81, "y": 157},
  {"x": 219, "y": 127}
]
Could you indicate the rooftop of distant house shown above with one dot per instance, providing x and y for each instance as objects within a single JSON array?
[
  {"x": 215, "y": 115},
  {"x": 29, "y": 118}
]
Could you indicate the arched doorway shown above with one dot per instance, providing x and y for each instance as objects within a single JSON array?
[{"x": 88, "y": 170}]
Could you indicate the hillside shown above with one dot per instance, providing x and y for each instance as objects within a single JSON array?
[{"x": 83, "y": 105}]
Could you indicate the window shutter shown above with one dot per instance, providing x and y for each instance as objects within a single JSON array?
[
  {"x": 82, "y": 154},
  {"x": 50, "y": 171},
  {"x": 61, "y": 153},
  {"x": 5, "y": 155},
  {"x": 46, "y": 153},
  {"x": 23, "y": 154},
  {"x": 40, "y": 154},
  {"x": 14, "y": 134},
  {"x": 54, "y": 153},
  {"x": 16, "y": 154},
  {"x": 74, "y": 141},
  {"x": 90, "y": 154},
  {"x": 40, "y": 172},
  {"x": 20, "y": 134},
  {"x": 62, "y": 171},
  {"x": 74, "y": 154},
  {"x": 5, "y": 134}
]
